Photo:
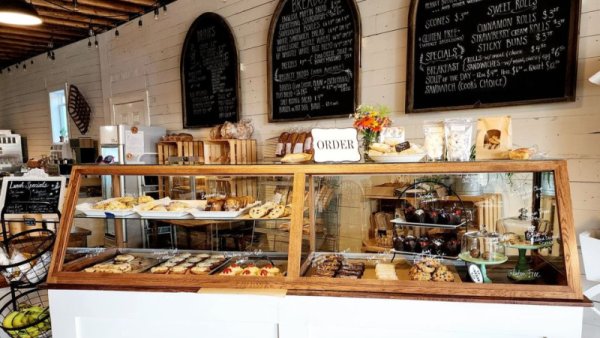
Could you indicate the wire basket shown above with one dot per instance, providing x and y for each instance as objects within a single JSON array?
[
  {"x": 27, "y": 315},
  {"x": 30, "y": 255}
]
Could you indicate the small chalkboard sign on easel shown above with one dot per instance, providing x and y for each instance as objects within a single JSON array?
[{"x": 32, "y": 195}]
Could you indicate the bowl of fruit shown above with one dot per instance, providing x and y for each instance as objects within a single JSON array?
[{"x": 27, "y": 315}]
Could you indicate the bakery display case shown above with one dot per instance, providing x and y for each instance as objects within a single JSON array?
[{"x": 301, "y": 228}]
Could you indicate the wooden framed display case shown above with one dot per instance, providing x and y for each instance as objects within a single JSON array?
[{"x": 559, "y": 269}]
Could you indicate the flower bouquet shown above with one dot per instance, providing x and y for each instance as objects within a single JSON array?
[{"x": 369, "y": 121}]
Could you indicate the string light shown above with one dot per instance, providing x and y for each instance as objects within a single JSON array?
[
  {"x": 17, "y": 66},
  {"x": 96, "y": 41},
  {"x": 75, "y": 4},
  {"x": 140, "y": 23},
  {"x": 31, "y": 61},
  {"x": 117, "y": 32},
  {"x": 156, "y": 13},
  {"x": 24, "y": 67},
  {"x": 8, "y": 69},
  {"x": 165, "y": 9},
  {"x": 89, "y": 43}
]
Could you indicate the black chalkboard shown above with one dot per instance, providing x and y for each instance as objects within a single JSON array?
[
  {"x": 209, "y": 73},
  {"x": 313, "y": 59},
  {"x": 36, "y": 196},
  {"x": 485, "y": 53}
]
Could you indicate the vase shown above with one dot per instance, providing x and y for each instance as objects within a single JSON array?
[{"x": 366, "y": 142}]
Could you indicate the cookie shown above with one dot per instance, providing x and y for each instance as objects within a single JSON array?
[
  {"x": 276, "y": 212},
  {"x": 258, "y": 212}
]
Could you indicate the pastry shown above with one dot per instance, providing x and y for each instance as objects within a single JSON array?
[
  {"x": 177, "y": 206},
  {"x": 232, "y": 204},
  {"x": 178, "y": 270},
  {"x": 203, "y": 255},
  {"x": 296, "y": 158},
  {"x": 250, "y": 271},
  {"x": 159, "y": 269},
  {"x": 381, "y": 147},
  {"x": 124, "y": 258},
  {"x": 519, "y": 154},
  {"x": 145, "y": 199},
  {"x": 386, "y": 271},
  {"x": 276, "y": 212},
  {"x": 442, "y": 276},
  {"x": 199, "y": 270},
  {"x": 258, "y": 212},
  {"x": 159, "y": 208}
]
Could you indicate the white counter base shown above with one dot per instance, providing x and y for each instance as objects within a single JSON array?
[{"x": 102, "y": 314}]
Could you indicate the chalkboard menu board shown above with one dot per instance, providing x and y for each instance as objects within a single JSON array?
[
  {"x": 314, "y": 56},
  {"x": 22, "y": 195},
  {"x": 209, "y": 73},
  {"x": 482, "y": 53}
]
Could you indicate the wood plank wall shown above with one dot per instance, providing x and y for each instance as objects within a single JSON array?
[{"x": 148, "y": 59}]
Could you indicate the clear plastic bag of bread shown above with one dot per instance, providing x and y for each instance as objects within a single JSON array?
[{"x": 527, "y": 153}]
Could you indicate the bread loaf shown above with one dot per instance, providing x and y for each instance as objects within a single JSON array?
[
  {"x": 298, "y": 146},
  {"x": 280, "y": 149}
]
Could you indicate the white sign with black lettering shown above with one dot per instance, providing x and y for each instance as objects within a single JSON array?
[{"x": 335, "y": 145}]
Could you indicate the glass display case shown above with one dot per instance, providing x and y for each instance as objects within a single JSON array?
[{"x": 303, "y": 228}]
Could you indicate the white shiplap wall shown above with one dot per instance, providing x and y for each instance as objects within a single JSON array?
[{"x": 148, "y": 59}]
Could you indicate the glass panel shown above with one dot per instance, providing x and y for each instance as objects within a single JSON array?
[
  {"x": 173, "y": 224},
  {"x": 435, "y": 227}
]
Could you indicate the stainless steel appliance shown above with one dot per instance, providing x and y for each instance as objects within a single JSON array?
[{"x": 124, "y": 144}]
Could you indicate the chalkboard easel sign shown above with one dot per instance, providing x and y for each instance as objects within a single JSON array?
[
  {"x": 32, "y": 195},
  {"x": 313, "y": 59},
  {"x": 487, "y": 53},
  {"x": 209, "y": 73}
]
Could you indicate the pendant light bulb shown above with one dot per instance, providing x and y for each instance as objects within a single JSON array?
[
  {"x": 140, "y": 23},
  {"x": 96, "y": 41},
  {"x": 24, "y": 67},
  {"x": 164, "y": 9},
  {"x": 117, "y": 33},
  {"x": 89, "y": 43},
  {"x": 156, "y": 13},
  {"x": 18, "y": 12}
]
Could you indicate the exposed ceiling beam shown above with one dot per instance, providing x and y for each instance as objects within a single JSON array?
[
  {"x": 114, "y": 5},
  {"x": 15, "y": 33},
  {"x": 82, "y": 9},
  {"x": 74, "y": 17},
  {"x": 50, "y": 29},
  {"x": 141, "y": 2}
]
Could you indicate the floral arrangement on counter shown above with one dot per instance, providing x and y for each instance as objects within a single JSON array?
[{"x": 370, "y": 120}]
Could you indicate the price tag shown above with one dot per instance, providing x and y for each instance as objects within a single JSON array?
[{"x": 475, "y": 273}]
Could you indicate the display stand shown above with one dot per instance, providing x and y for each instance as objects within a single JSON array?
[
  {"x": 482, "y": 263},
  {"x": 34, "y": 245}
]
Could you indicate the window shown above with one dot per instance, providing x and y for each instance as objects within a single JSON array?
[{"x": 58, "y": 115}]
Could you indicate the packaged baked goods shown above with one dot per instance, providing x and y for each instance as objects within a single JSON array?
[
  {"x": 281, "y": 142},
  {"x": 434, "y": 140},
  {"x": 459, "y": 139},
  {"x": 392, "y": 135},
  {"x": 494, "y": 138}
]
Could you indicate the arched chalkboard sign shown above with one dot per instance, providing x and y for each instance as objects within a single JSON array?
[
  {"x": 313, "y": 59},
  {"x": 472, "y": 54},
  {"x": 209, "y": 73}
]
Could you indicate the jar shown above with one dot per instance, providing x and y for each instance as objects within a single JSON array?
[{"x": 483, "y": 245}]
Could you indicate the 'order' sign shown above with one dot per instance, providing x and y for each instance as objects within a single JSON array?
[{"x": 335, "y": 145}]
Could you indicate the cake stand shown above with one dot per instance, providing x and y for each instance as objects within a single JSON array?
[
  {"x": 498, "y": 259},
  {"x": 522, "y": 264}
]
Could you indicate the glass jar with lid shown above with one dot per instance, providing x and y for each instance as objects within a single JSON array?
[{"x": 482, "y": 246}]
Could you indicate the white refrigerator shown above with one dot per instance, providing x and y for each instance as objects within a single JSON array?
[{"x": 124, "y": 144}]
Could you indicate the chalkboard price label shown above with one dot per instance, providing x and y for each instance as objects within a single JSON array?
[
  {"x": 314, "y": 52},
  {"x": 28, "y": 195},
  {"x": 209, "y": 73},
  {"x": 483, "y": 53}
]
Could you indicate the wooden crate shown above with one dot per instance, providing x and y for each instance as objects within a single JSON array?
[
  {"x": 229, "y": 151},
  {"x": 178, "y": 153},
  {"x": 181, "y": 152}
]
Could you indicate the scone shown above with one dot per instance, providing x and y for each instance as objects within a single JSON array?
[
  {"x": 258, "y": 212},
  {"x": 277, "y": 212}
]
